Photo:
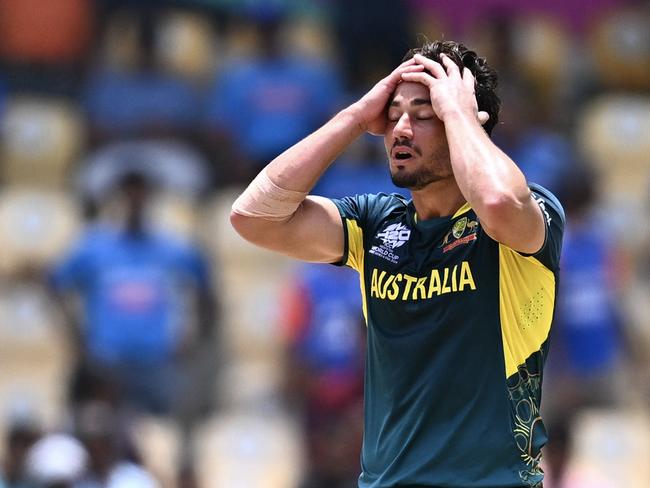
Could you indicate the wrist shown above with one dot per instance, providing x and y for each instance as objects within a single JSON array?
[
  {"x": 455, "y": 114},
  {"x": 354, "y": 113}
]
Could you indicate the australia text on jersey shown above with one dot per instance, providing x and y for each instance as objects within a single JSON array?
[{"x": 402, "y": 286}]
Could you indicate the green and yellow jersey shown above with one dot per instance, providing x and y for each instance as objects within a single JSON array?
[{"x": 458, "y": 328}]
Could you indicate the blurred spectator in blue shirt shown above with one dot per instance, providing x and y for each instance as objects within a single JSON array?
[
  {"x": 589, "y": 345},
  {"x": 590, "y": 336},
  {"x": 325, "y": 342},
  {"x": 135, "y": 340},
  {"x": 143, "y": 99},
  {"x": 264, "y": 104}
]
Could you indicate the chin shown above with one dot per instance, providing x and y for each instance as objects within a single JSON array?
[{"x": 415, "y": 181}]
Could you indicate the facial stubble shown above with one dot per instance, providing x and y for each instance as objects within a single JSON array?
[{"x": 439, "y": 168}]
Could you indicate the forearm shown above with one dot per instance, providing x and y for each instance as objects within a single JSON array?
[
  {"x": 274, "y": 211},
  {"x": 486, "y": 176},
  {"x": 299, "y": 167}
]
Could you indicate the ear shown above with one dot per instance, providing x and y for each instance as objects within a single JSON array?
[{"x": 483, "y": 117}]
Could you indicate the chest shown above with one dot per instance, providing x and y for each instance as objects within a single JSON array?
[{"x": 419, "y": 274}]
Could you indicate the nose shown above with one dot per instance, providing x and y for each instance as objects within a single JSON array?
[{"x": 403, "y": 129}]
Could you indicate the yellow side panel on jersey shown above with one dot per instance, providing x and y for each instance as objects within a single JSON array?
[
  {"x": 526, "y": 303},
  {"x": 356, "y": 256}
]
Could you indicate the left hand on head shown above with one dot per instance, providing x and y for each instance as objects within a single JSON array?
[{"x": 451, "y": 92}]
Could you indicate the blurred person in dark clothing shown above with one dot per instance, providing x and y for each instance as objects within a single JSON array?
[
  {"x": 109, "y": 462},
  {"x": 134, "y": 345},
  {"x": 19, "y": 439}
]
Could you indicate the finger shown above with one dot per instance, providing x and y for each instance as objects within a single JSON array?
[
  {"x": 483, "y": 117},
  {"x": 408, "y": 62},
  {"x": 424, "y": 78},
  {"x": 392, "y": 80},
  {"x": 435, "y": 68},
  {"x": 468, "y": 79},
  {"x": 396, "y": 76},
  {"x": 450, "y": 66},
  {"x": 406, "y": 67}
]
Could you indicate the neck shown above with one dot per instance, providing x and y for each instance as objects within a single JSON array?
[{"x": 438, "y": 199}]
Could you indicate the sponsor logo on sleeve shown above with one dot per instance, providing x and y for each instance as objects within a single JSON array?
[{"x": 542, "y": 205}]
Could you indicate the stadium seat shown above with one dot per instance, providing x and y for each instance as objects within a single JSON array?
[
  {"x": 158, "y": 440},
  {"x": 252, "y": 293},
  {"x": 541, "y": 47},
  {"x": 175, "y": 215},
  {"x": 621, "y": 48},
  {"x": 186, "y": 44},
  {"x": 36, "y": 226},
  {"x": 241, "y": 39},
  {"x": 310, "y": 38},
  {"x": 613, "y": 134},
  {"x": 612, "y": 449},
  {"x": 119, "y": 45},
  {"x": 34, "y": 360},
  {"x": 242, "y": 450},
  {"x": 41, "y": 138}
]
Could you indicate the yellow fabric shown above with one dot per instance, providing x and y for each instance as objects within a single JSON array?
[
  {"x": 356, "y": 256},
  {"x": 526, "y": 302},
  {"x": 465, "y": 208}
]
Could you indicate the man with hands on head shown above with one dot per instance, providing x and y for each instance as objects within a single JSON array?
[{"x": 458, "y": 282}]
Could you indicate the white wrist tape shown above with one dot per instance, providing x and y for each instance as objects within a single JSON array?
[{"x": 266, "y": 200}]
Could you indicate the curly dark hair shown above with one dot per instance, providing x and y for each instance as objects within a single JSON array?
[{"x": 485, "y": 76}]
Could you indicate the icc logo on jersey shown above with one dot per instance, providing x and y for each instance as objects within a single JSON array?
[
  {"x": 392, "y": 237},
  {"x": 395, "y": 235}
]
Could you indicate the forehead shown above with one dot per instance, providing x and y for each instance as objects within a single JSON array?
[{"x": 408, "y": 91}]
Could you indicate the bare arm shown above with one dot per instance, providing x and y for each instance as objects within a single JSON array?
[
  {"x": 488, "y": 179},
  {"x": 314, "y": 231}
]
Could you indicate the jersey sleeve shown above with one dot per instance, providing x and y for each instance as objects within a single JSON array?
[
  {"x": 354, "y": 214},
  {"x": 554, "y": 220}
]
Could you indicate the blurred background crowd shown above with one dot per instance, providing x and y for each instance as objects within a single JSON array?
[{"x": 143, "y": 344}]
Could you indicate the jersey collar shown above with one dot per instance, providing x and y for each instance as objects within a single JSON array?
[{"x": 466, "y": 207}]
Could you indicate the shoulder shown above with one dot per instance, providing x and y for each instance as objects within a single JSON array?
[
  {"x": 371, "y": 205},
  {"x": 94, "y": 238},
  {"x": 547, "y": 201}
]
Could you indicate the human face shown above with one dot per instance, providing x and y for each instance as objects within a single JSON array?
[{"x": 415, "y": 139}]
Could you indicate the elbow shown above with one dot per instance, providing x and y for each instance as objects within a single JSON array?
[
  {"x": 499, "y": 207},
  {"x": 243, "y": 226},
  {"x": 255, "y": 230}
]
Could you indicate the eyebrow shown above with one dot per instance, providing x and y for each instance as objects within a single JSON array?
[{"x": 414, "y": 102}]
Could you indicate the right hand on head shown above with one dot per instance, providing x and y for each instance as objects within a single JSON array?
[{"x": 371, "y": 108}]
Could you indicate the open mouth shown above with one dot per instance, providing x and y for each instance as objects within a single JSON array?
[{"x": 401, "y": 155}]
